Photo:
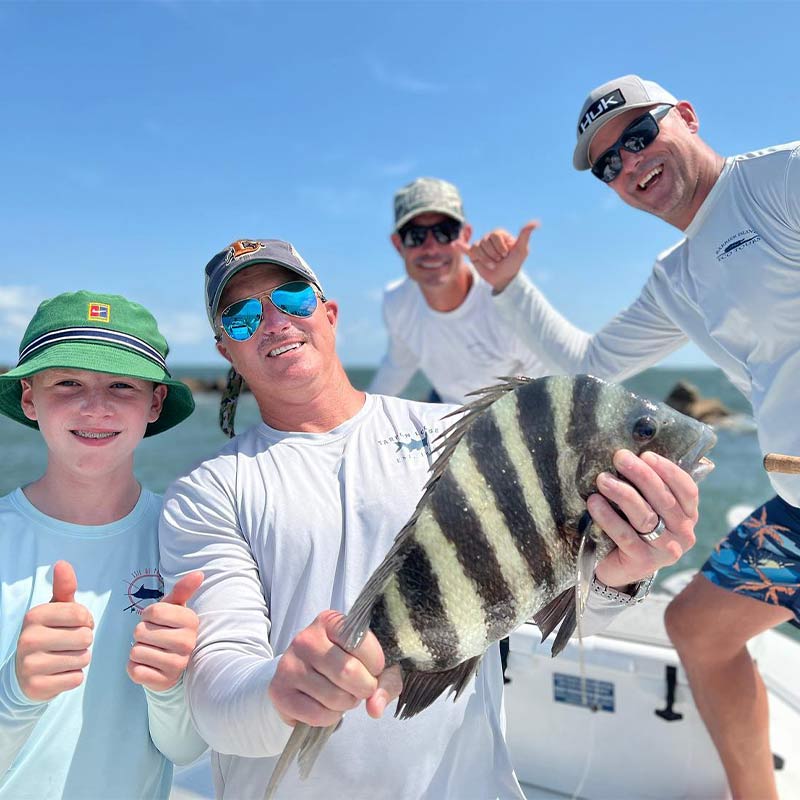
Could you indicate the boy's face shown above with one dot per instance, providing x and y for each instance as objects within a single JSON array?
[{"x": 91, "y": 420}]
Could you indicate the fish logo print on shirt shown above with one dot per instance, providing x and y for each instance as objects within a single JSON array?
[{"x": 145, "y": 587}]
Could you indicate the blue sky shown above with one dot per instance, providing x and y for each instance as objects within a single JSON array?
[{"x": 140, "y": 138}]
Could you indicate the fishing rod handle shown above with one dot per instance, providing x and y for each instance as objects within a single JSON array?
[{"x": 776, "y": 462}]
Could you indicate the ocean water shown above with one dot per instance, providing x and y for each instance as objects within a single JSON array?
[{"x": 739, "y": 478}]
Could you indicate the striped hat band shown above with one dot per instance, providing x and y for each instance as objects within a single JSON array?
[{"x": 98, "y": 335}]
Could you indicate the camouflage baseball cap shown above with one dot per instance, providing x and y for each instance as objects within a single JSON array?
[{"x": 424, "y": 195}]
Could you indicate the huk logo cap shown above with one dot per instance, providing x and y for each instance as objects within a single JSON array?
[
  {"x": 426, "y": 195},
  {"x": 609, "y": 101}
]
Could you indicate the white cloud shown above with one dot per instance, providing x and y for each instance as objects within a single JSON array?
[
  {"x": 399, "y": 81},
  {"x": 17, "y": 304},
  {"x": 335, "y": 202},
  {"x": 393, "y": 169},
  {"x": 183, "y": 328}
]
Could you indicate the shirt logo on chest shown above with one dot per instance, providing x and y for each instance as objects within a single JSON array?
[
  {"x": 736, "y": 243},
  {"x": 411, "y": 445},
  {"x": 146, "y": 586}
]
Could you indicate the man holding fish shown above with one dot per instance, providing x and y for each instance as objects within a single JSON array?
[
  {"x": 731, "y": 285},
  {"x": 292, "y": 517}
]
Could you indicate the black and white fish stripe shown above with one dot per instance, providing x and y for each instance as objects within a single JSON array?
[{"x": 487, "y": 542}]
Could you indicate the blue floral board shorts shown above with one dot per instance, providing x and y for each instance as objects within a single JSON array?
[{"x": 760, "y": 557}]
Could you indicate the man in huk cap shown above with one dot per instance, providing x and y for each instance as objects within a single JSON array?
[
  {"x": 442, "y": 318},
  {"x": 732, "y": 286},
  {"x": 289, "y": 521}
]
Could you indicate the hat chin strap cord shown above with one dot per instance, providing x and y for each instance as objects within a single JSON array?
[{"x": 229, "y": 401}]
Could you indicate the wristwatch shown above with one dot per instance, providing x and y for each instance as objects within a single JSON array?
[{"x": 640, "y": 591}]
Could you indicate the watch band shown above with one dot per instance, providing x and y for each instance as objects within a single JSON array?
[{"x": 642, "y": 589}]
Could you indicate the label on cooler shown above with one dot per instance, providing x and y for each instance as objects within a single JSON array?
[{"x": 594, "y": 694}]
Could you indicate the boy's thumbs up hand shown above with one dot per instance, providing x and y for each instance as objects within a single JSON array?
[
  {"x": 165, "y": 638},
  {"x": 53, "y": 646},
  {"x": 65, "y": 583}
]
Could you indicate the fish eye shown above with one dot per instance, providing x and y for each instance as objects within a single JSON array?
[{"x": 644, "y": 429}]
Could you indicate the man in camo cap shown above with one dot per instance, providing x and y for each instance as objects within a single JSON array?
[{"x": 442, "y": 317}]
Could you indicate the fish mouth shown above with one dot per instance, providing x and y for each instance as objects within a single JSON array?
[{"x": 694, "y": 461}]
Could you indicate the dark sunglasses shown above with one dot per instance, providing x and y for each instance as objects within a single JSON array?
[
  {"x": 240, "y": 320},
  {"x": 444, "y": 232},
  {"x": 639, "y": 134}
]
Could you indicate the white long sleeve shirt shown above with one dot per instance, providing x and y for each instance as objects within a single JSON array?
[
  {"x": 284, "y": 526},
  {"x": 468, "y": 348},
  {"x": 732, "y": 286}
]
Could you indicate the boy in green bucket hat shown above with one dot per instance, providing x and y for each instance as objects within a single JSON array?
[{"x": 82, "y": 601}]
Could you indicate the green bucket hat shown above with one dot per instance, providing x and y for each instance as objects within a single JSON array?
[{"x": 99, "y": 333}]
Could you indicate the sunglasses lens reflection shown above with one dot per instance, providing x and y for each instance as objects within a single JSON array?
[
  {"x": 241, "y": 320},
  {"x": 296, "y": 299}
]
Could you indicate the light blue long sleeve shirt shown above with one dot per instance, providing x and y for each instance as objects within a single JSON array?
[{"x": 108, "y": 738}]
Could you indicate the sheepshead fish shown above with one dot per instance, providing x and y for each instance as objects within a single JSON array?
[{"x": 501, "y": 533}]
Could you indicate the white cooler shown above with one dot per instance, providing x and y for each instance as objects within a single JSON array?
[{"x": 624, "y": 749}]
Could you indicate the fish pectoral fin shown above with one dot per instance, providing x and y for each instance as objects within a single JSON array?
[
  {"x": 420, "y": 689},
  {"x": 587, "y": 560},
  {"x": 305, "y": 745},
  {"x": 558, "y": 609},
  {"x": 569, "y": 606}
]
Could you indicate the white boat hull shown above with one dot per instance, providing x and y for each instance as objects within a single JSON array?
[{"x": 626, "y": 750}]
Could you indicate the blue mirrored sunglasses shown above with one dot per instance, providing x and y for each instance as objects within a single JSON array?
[{"x": 240, "y": 320}]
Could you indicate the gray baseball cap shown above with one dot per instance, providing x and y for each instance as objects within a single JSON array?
[
  {"x": 609, "y": 101},
  {"x": 244, "y": 253},
  {"x": 424, "y": 195}
]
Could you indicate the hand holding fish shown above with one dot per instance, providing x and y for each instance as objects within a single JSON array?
[
  {"x": 510, "y": 527},
  {"x": 317, "y": 680},
  {"x": 165, "y": 637},
  {"x": 53, "y": 646},
  {"x": 499, "y": 256},
  {"x": 666, "y": 492}
]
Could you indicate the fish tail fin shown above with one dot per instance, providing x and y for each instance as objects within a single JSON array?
[{"x": 304, "y": 745}]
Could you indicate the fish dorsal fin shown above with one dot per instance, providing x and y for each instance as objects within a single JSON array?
[
  {"x": 420, "y": 689},
  {"x": 447, "y": 441},
  {"x": 357, "y": 620}
]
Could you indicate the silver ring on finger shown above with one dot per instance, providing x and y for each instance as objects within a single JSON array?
[{"x": 652, "y": 535}]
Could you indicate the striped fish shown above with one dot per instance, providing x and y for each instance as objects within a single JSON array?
[{"x": 502, "y": 533}]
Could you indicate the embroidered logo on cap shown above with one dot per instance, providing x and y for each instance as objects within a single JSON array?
[
  {"x": 241, "y": 248},
  {"x": 606, "y": 103},
  {"x": 99, "y": 312}
]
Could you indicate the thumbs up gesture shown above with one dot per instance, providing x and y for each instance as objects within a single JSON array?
[
  {"x": 165, "y": 638},
  {"x": 498, "y": 256},
  {"x": 53, "y": 646}
]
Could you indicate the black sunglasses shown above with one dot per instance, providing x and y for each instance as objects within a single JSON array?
[
  {"x": 639, "y": 134},
  {"x": 444, "y": 232}
]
